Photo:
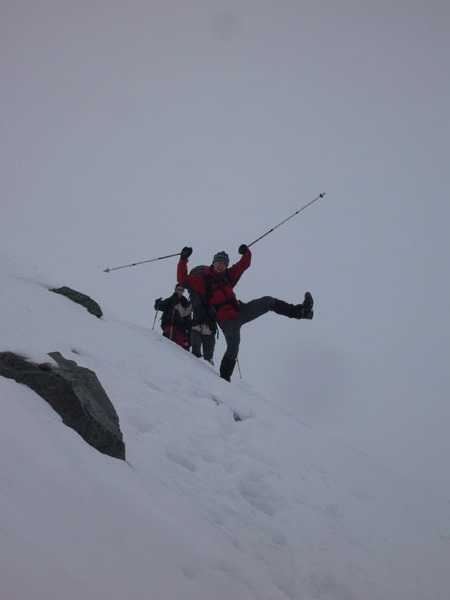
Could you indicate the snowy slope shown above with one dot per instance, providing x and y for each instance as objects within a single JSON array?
[{"x": 205, "y": 508}]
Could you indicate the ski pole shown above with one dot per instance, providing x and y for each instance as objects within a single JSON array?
[
  {"x": 108, "y": 270},
  {"x": 154, "y": 320},
  {"x": 282, "y": 222}
]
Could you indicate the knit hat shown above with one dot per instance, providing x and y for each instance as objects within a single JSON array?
[
  {"x": 180, "y": 288},
  {"x": 223, "y": 256}
]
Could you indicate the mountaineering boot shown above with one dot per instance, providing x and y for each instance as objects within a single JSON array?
[
  {"x": 295, "y": 311},
  {"x": 308, "y": 304},
  {"x": 227, "y": 368}
]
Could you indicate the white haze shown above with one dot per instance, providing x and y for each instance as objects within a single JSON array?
[
  {"x": 206, "y": 507},
  {"x": 130, "y": 129}
]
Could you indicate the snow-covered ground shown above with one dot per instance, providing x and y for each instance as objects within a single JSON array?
[{"x": 205, "y": 507}]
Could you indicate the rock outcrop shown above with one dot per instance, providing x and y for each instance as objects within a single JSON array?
[
  {"x": 80, "y": 298},
  {"x": 75, "y": 393}
]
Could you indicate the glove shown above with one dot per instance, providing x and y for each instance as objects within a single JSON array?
[
  {"x": 243, "y": 248},
  {"x": 157, "y": 303},
  {"x": 186, "y": 252}
]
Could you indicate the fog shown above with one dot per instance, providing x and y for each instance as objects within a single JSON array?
[{"x": 130, "y": 130}]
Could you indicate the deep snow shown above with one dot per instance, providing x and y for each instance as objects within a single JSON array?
[{"x": 205, "y": 507}]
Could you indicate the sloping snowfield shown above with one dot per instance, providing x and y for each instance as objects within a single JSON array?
[{"x": 206, "y": 507}]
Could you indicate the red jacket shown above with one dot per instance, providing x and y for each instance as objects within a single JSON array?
[{"x": 222, "y": 295}]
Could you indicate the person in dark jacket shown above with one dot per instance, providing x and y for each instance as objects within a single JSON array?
[
  {"x": 216, "y": 285},
  {"x": 176, "y": 317}
]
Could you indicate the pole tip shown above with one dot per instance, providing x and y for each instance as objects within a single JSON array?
[{"x": 107, "y": 270}]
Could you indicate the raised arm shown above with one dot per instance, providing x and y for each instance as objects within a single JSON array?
[
  {"x": 237, "y": 269},
  {"x": 196, "y": 282}
]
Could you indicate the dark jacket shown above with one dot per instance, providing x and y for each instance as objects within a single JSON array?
[
  {"x": 220, "y": 294},
  {"x": 176, "y": 312}
]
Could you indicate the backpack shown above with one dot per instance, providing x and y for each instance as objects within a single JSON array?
[{"x": 202, "y": 312}]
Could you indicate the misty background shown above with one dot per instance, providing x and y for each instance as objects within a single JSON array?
[{"x": 131, "y": 129}]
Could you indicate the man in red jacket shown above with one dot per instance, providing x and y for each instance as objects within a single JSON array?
[{"x": 216, "y": 286}]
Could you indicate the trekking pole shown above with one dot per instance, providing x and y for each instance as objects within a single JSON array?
[
  {"x": 171, "y": 325},
  {"x": 108, "y": 270},
  {"x": 154, "y": 320},
  {"x": 283, "y": 222},
  {"x": 239, "y": 369}
]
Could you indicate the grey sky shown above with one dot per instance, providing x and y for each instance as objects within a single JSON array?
[{"x": 131, "y": 129}]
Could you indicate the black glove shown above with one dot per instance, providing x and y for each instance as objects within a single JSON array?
[
  {"x": 157, "y": 303},
  {"x": 243, "y": 248},
  {"x": 186, "y": 252}
]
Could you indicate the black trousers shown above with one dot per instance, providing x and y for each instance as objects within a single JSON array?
[
  {"x": 208, "y": 341},
  {"x": 232, "y": 328}
]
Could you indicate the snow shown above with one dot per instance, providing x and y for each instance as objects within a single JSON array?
[{"x": 206, "y": 507}]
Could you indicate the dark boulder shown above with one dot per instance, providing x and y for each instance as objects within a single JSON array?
[
  {"x": 80, "y": 298},
  {"x": 75, "y": 394}
]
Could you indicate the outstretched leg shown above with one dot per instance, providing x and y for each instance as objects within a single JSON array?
[{"x": 256, "y": 308}]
